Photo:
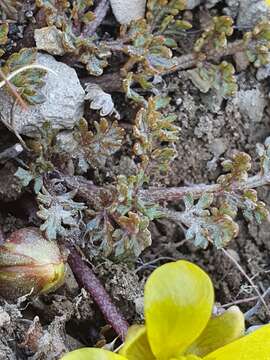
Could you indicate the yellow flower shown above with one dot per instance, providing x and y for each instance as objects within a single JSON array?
[
  {"x": 267, "y": 2},
  {"x": 179, "y": 299}
]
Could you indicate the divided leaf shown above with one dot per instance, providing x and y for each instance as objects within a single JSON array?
[
  {"x": 220, "y": 78},
  {"x": 29, "y": 82},
  {"x": 99, "y": 146},
  {"x": 206, "y": 223},
  {"x": 57, "y": 212},
  {"x": 155, "y": 134}
]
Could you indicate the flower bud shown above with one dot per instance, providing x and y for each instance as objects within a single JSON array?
[{"x": 29, "y": 264}]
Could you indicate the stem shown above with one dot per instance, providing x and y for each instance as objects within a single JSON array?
[
  {"x": 177, "y": 193},
  {"x": 188, "y": 61},
  {"x": 87, "y": 190},
  {"x": 100, "y": 13},
  {"x": 87, "y": 279}
]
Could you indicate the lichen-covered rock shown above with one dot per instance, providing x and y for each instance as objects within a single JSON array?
[
  {"x": 126, "y": 11},
  {"x": 191, "y": 4},
  {"x": 251, "y": 104},
  {"x": 251, "y": 12},
  {"x": 49, "y": 39},
  {"x": 64, "y": 100}
]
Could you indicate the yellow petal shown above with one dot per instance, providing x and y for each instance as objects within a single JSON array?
[
  {"x": 255, "y": 346},
  {"x": 178, "y": 301},
  {"x": 220, "y": 331},
  {"x": 92, "y": 354},
  {"x": 136, "y": 346}
]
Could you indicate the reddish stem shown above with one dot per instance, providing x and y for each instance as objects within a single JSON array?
[{"x": 87, "y": 279}]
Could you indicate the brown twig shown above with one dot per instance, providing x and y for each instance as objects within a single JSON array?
[
  {"x": 87, "y": 279},
  {"x": 100, "y": 13}
]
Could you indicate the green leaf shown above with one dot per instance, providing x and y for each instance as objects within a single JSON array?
[
  {"x": 220, "y": 78},
  {"x": 28, "y": 82},
  {"x": 4, "y": 33}
]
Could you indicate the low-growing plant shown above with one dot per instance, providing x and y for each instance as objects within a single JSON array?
[
  {"x": 178, "y": 303},
  {"x": 107, "y": 185}
]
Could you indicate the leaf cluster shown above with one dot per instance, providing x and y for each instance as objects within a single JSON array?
[
  {"x": 155, "y": 134},
  {"x": 58, "y": 212},
  {"x": 95, "y": 147},
  {"x": 29, "y": 82}
]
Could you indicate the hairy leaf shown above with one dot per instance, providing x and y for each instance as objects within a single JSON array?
[
  {"x": 57, "y": 212},
  {"x": 220, "y": 78},
  {"x": 29, "y": 82},
  {"x": 152, "y": 130},
  {"x": 99, "y": 146}
]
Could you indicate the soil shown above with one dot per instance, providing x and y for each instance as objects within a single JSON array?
[{"x": 47, "y": 327}]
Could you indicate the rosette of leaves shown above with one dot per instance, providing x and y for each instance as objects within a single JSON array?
[
  {"x": 220, "y": 78},
  {"x": 155, "y": 134},
  {"x": 59, "y": 212},
  {"x": 29, "y": 82},
  {"x": 257, "y": 44}
]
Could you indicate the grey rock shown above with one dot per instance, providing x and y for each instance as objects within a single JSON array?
[
  {"x": 232, "y": 8},
  {"x": 64, "y": 100},
  {"x": 126, "y": 11},
  {"x": 191, "y": 4},
  {"x": 251, "y": 12},
  {"x": 211, "y": 3},
  {"x": 263, "y": 72},
  {"x": 218, "y": 147},
  {"x": 251, "y": 104},
  {"x": 49, "y": 39}
]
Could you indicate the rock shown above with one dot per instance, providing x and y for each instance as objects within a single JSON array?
[
  {"x": 191, "y": 4},
  {"x": 4, "y": 318},
  {"x": 218, "y": 147},
  {"x": 211, "y": 3},
  {"x": 49, "y": 39},
  {"x": 251, "y": 12},
  {"x": 232, "y": 8},
  {"x": 251, "y": 104},
  {"x": 263, "y": 72},
  {"x": 126, "y": 11},
  {"x": 64, "y": 100}
]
